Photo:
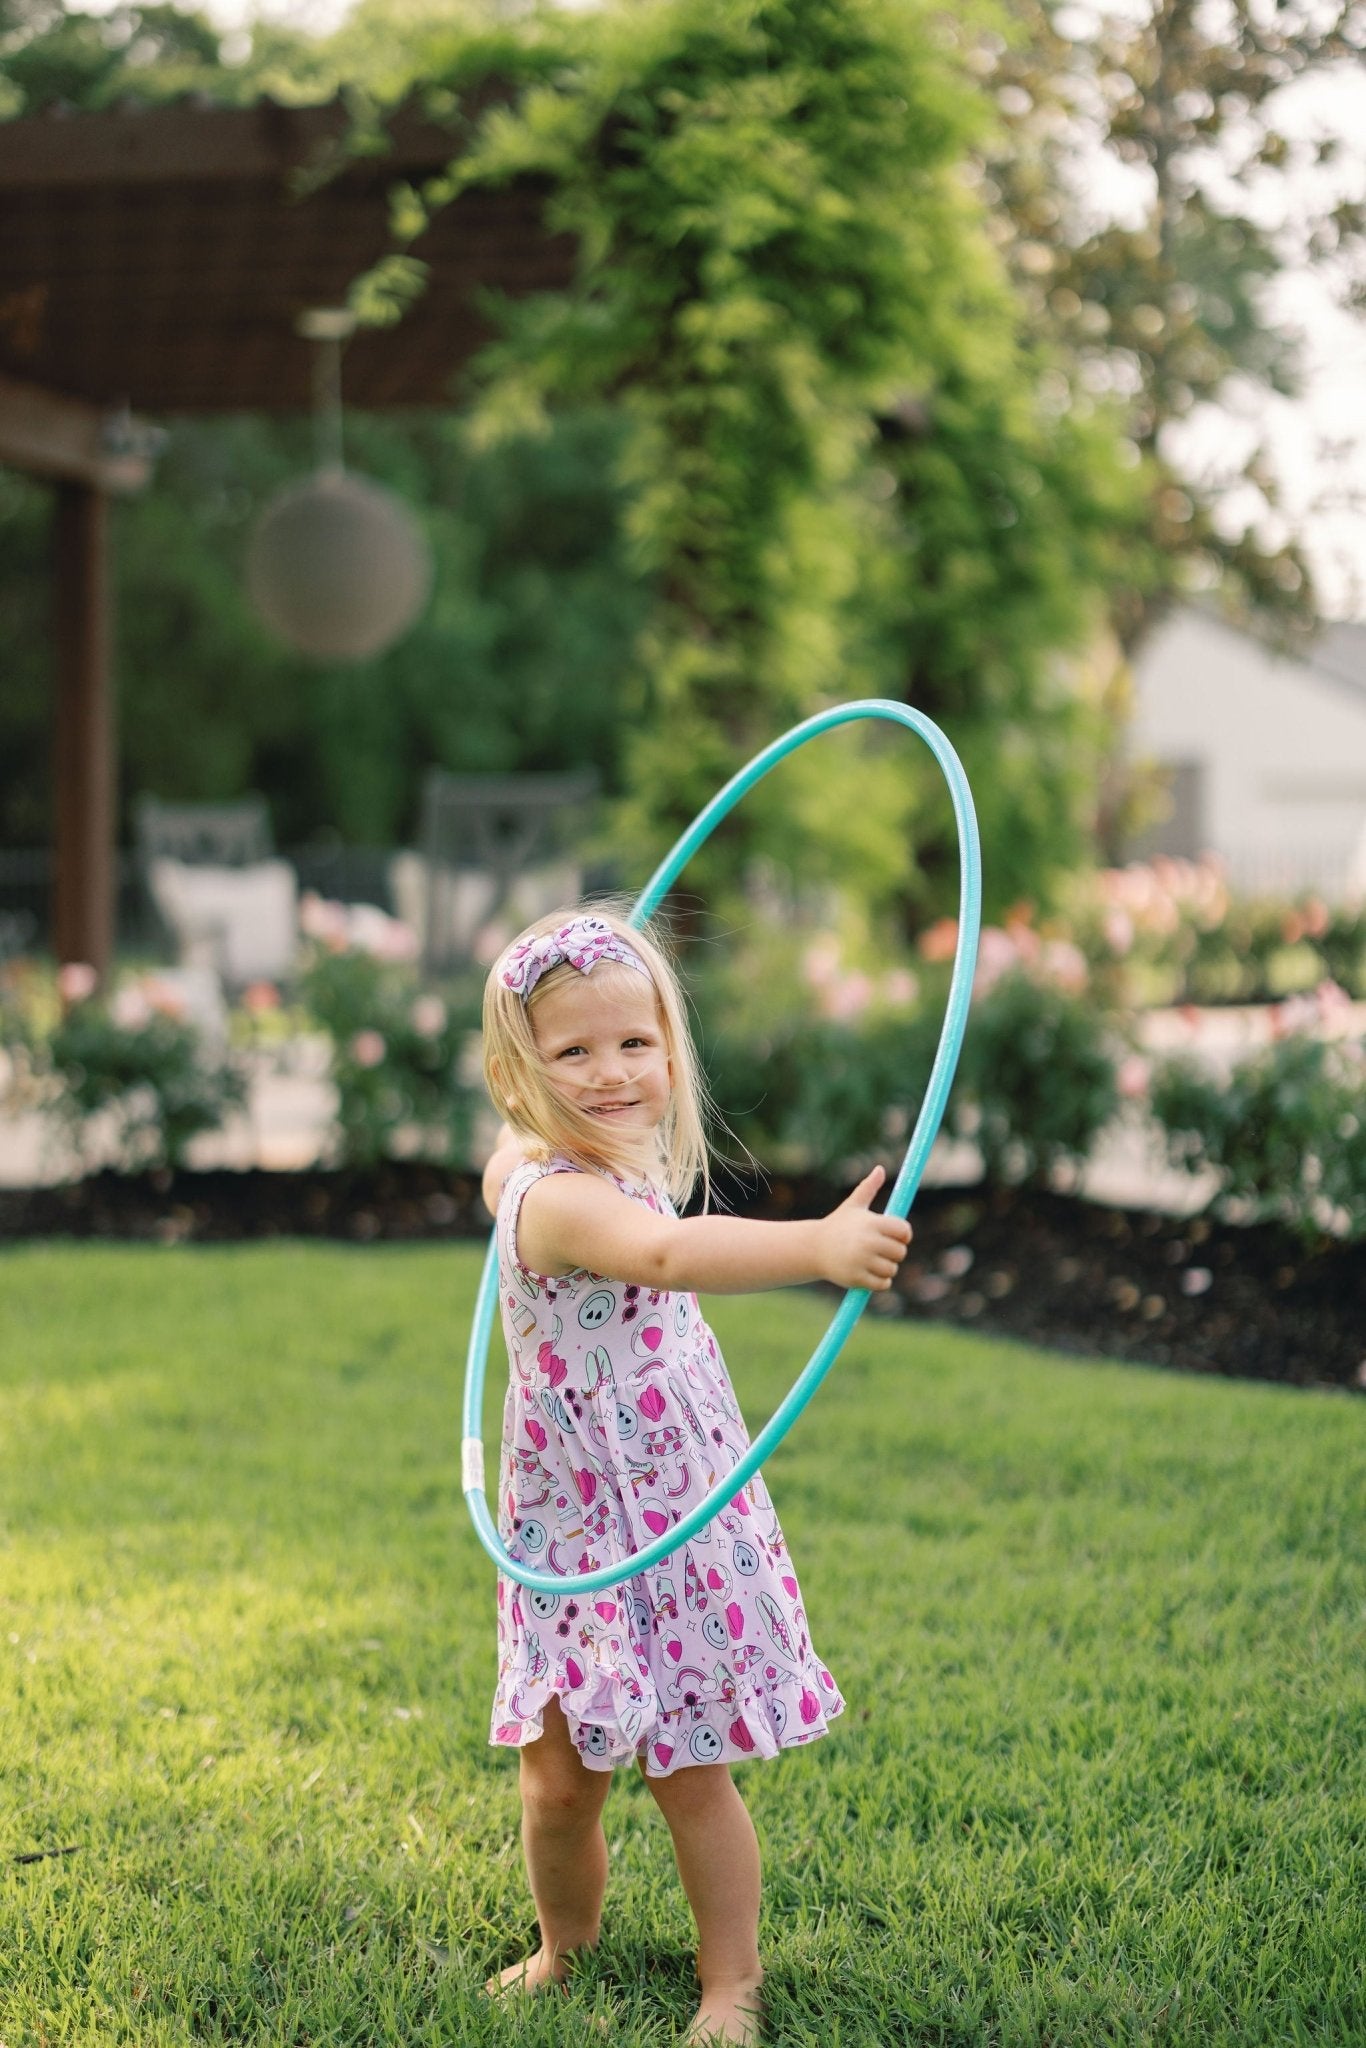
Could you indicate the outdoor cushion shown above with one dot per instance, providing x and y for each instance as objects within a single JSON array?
[{"x": 242, "y": 921}]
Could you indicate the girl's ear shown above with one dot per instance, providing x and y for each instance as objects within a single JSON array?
[{"x": 496, "y": 1075}]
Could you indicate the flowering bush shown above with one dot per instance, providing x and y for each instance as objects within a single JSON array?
[
  {"x": 822, "y": 1095},
  {"x": 134, "y": 1060},
  {"x": 1285, "y": 1132},
  {"x": 1171, "y": 931},
  {"x": 1038, "y": 1079},
  {"x": 396, "y": 1049}
]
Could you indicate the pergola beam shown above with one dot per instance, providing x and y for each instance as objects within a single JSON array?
[{"x": 48, "y": 434}]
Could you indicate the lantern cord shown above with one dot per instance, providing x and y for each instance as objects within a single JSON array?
[{"x": 327, "y": 404}]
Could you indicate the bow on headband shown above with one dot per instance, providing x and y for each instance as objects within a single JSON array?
[{"x": 581, "y": 943}]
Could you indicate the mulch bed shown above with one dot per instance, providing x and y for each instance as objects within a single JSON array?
[{"x": 1193, "y": 1294}]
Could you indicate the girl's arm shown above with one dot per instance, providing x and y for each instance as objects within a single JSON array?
[
  {"x": 506, "y": 1154},
  {"x": 573, "y": 1220}
]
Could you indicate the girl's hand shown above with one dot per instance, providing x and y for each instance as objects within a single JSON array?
[{"x": 859, "y": 1248}]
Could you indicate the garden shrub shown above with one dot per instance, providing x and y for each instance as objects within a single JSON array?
[
  {"x": 1285, "y": 1133},
  {"x": 1171, "y": 931},
  {"x": 822, "y": 1096},
  {"x": 135, "y": 1060},
  {"x": 1037, "y": 1082},
  {"x": 397, "y": 1049}
]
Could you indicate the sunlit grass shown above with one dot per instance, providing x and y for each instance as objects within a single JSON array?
[{"x": 1101, "y": 1632}]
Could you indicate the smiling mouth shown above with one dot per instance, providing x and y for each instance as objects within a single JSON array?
[{"x": 609, "y": 1108}]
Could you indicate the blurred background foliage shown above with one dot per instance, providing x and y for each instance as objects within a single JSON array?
[{"x": 856, "y": 392}]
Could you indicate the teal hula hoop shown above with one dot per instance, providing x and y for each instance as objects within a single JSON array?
[{"x": 899, "y": 1201}]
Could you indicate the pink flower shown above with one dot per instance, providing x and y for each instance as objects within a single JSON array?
[
  {"x": 1118, "y": 928},
  {"x": 323, "y": 920},
  {"x": 130, "y": 1010},
  {"x": 997, "y": 953},
  {"x": 821, "y": 962},
  {"x": 260, "y": 997},
  {"x": 1333, "y": 1002},
  {"x": 1065, "y": 965},
  {"x": 939, "y": 942},
  {"x": 848, "y": 998},
  {"x": 1133, "y": 1076},
  {"x": 76, "y": 981},
  {"x": 428, "y": 1016},
  {"x": 373, "y": 931},
  {"x": 167, "y": 1002},
  {"x": 1296, "y": 1013},
  {"x": 367, "y": 1048}
]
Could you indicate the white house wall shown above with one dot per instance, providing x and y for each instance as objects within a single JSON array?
[{"x": 1281, "y": 751}]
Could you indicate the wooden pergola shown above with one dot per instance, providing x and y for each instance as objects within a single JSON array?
[{"x": 156, "y": 262}]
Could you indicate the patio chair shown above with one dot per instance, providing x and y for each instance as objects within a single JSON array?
[
  {"x": 493, "y": 855},
  {"x": 221, "y": 896}
]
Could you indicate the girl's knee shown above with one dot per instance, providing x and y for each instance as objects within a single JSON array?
[
  {"x": 556, "y": 1801},
  {"x": 557, "y": 1786},
  {"x": 695, "y": 1790}
]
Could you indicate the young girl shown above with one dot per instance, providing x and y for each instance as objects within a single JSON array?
[{"x": 619, "y": 1415}]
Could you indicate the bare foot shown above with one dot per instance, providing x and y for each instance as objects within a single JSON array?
[
  {"x": 543, "y": 1971},
  {"x": 728, "y": 2013}
]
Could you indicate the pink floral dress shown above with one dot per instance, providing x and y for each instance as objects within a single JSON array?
[{"x": 619, "y": 1417}]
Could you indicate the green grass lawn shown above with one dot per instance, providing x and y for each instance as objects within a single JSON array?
[{"x": 1102, "y": 1778}]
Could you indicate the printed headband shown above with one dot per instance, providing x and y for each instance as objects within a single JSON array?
[{"x": 581, "y": 943}]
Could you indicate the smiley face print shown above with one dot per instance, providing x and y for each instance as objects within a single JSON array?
[
  {"x": 599, "y": 1308},
  {"x": 706, "y": 1745}
]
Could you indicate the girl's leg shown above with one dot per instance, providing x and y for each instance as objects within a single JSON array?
[
  {"x": 565, "y": 1850},
  {"x": 718, "y": 1861}
]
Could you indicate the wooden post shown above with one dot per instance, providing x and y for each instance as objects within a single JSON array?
[{"x": 83, "y": 900}]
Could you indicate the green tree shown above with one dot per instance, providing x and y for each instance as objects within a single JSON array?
[
  {"x": 779, "y": 265},
  {"x": 51, "y": 54},
  {"x": 1165, "y": 308}
]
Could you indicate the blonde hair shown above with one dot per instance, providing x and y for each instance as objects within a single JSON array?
[{"x": 675, "y": 1153}]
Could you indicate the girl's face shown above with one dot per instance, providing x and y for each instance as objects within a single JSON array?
[{"x": 603, "y": 1043}]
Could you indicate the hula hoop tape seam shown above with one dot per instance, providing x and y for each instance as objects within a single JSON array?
[{"x": 903, "y": 1192}]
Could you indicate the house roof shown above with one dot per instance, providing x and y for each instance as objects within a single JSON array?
[
  {"x": 1339, "y": 651},
  {"x": 159, "y": 257},
  {"x": 1336, "y": 655}
]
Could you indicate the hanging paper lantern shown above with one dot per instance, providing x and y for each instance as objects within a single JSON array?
[{"x": 338, "y": 567}]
